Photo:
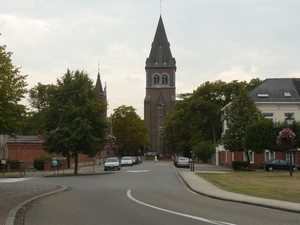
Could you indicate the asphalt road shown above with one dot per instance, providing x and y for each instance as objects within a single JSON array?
[{"x": 149, "y": 193}]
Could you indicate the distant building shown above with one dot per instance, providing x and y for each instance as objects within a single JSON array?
[
  {"x": 277, "y": 98},
  {"x": 160, "y": 88}
]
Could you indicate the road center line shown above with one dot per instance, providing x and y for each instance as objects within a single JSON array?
[{"x": 179, "y": 214}]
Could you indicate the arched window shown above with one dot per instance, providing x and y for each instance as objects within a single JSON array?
[
  {"x": 165, "y": 79},
  {"x": 156, "y": 80}
]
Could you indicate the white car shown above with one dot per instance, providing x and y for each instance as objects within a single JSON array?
[
  {"x": 112, "y": 163},
  {"x": 126, "y": 161},
  {"x": 183, "y": 162}
]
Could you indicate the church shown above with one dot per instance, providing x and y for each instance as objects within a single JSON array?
[{"x": 160, "y": 88}]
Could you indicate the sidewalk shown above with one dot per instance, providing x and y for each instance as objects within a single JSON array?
[{"x": 14, "y": 195}]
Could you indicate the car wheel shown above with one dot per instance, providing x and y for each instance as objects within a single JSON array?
[
  {"x": 270, "y": 168},
  {"x": 121, "y": 165},
  {"x": 119, "y": 168},
  {"x": 131, "y": 165},
  {"x": 105, "y": 169}
]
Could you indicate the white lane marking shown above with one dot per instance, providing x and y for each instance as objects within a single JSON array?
[
  {"x": 179, "y": 214},
  {"x": 136, "y": 171},
  {"x": 12, "y": 180}
]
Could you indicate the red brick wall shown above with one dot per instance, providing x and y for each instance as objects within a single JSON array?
[{"x": 28, "y": 151}]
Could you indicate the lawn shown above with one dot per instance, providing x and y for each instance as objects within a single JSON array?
[{"x": 275, "y": 185}]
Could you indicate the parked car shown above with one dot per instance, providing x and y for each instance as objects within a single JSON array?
[
  {"x": 183, "y": 162},
  {"x": 164, "y": 156},
  {"x": 112, "y": 163},
  {"x": 135, "y": 160},
  {"x": 126, "y": 161},
  {"x": 175, "y": 160},
  {"x": 277, "y": 164}
]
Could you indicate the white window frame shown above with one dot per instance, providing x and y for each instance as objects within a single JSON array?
[
  {"x": 269, "y": 155},
  {"x": 156, "y": 79},
  {"x": 251, "y": 156},
  {"x": 165, "y": 79},
  {"x": 269, "y": 116}
]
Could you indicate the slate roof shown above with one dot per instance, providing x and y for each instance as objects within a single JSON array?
[
  {"x": 160, "y": 54},
  {"x": 277, "y": 90}
]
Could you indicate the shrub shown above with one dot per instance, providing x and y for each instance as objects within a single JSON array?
[
  {"x": 39, "y": 162},
  {"x": 13, "y": 163},
  {"x": 239, "y": 165},
  {"x": 204, "y": 150}
]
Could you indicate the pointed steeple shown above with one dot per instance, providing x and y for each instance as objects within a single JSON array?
[
  {"x": 160, "y": 54},
  {"x": 102, "y": 92}
]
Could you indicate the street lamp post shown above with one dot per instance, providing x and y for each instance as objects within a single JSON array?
[
  {"x": 289, "y": 119},
  {"x": 160, "y": 141}
]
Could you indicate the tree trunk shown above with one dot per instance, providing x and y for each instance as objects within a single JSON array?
[
  {"x": 214, "y": 133},
  {"x": 76, "y": 163},
  {"x": 248, "y": 160}
]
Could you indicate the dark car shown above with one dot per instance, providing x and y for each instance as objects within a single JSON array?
[
  {"x": 135, "y": 160},
  {"x": 277, "y": 164}
]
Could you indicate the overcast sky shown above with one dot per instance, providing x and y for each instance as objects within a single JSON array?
[{"x": 210, "y": 40}]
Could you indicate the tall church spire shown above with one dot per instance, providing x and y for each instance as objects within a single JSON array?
[
  {"x": 160, "y": 88},
  {"x": 102, "y": 92},
  {"x": 160, "y": 54}
]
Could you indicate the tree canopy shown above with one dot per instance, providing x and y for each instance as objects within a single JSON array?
[
  {"x": 129, "y": 129},
  {"x": 75, "y": 119},
  {"x": 12, "y": 90},
  {"x": 238, "y": 115}
]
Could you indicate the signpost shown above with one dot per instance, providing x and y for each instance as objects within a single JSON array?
[{"x": 3, "y": 162}]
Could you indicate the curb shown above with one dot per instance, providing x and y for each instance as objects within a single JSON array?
[{"x": 10, "y": 219}]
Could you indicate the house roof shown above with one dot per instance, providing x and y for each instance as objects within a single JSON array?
[{"x": 277, "y": 90}]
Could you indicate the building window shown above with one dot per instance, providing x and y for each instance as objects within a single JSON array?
[
  {"x": 165, "y": 79},
  {"x": 287, "y": 156},
  {"x": 286, "y": 115},
  {"x": 251, "y": 156},
  {"x": 262, "y": 95},
  {"x": 269, "y": 116},
  {"x": 156, "y": 80},
  {"x": 269, "y": 155}
]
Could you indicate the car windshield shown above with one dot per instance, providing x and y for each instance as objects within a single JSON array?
[{"x": 126, "y": 158}]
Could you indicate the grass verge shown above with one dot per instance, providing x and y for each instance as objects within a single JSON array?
[{"x": 274, "y": 185}]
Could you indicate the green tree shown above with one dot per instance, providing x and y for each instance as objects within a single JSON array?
[
  {"x": 129, "y": 129},
  {"x": 260, "y": 136},
  {"x": 39, "y": 97},
  {"x": 75, "y": 120},
  {"x": 238, "y": 115},
  {"x": 204, "y": 150},
  {"x": 12, "y": 90},
  {"x": 176, "y": 132}
]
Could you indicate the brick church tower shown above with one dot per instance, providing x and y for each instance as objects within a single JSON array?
[
  {"x": 160, "y": 88},
  {"x": 102, "y": 91}
]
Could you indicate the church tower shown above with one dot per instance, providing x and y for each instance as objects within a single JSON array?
[
  {"x": 160, "y": 88},
  {"x": 102, "y": 92}
]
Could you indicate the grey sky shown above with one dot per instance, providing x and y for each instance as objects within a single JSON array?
[{"x": 210, "y": 40}]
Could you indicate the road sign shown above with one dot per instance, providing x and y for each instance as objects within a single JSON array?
[
  {"x": 3, "y": 161},
  {"x": 54, "y": 163}
]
